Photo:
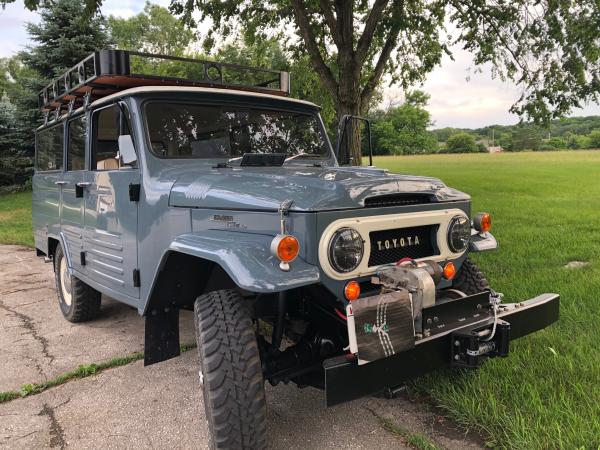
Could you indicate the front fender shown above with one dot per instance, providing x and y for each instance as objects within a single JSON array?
[{"x": 247, "y": 259}]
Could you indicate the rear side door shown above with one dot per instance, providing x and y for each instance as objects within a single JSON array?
[
  {"x": 47, "y": 183},
  {"x": 110, "y": 233},
  {"x": 73, "y": 190}
]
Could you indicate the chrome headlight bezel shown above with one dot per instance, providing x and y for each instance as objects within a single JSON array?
[
  {"x": 354, "y": 239},
  {"x": 459, "y": 234}
]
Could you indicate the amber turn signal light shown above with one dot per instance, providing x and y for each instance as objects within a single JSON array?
[
  {"x": 285, "y": 247},
  {"x": 352, "y": 290},
  {"x": 449, "y": 271},
  {"x": 482, "y": 222}
]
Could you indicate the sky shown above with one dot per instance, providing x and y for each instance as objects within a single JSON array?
[{"x": 459, "y": 97}]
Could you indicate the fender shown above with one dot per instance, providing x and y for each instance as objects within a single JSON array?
[{"x": 247, "y": 259}]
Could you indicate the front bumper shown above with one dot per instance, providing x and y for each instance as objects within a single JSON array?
[{"x": 345, "y": 380}]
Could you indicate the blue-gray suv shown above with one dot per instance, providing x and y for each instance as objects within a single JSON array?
[{"x": 230, "y": 201}]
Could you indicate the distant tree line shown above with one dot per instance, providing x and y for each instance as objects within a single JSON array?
[{"x": 406, "y": 130}]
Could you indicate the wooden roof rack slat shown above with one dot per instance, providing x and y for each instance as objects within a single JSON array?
[{"x": 106, "y": 72}]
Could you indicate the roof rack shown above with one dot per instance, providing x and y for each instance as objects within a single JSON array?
[{"x": 106, "y": 72}]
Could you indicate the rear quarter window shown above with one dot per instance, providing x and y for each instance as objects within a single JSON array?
[{"x": 49, "y": 147}]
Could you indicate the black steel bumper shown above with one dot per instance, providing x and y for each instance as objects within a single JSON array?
[{"x": 345, "y": 380}]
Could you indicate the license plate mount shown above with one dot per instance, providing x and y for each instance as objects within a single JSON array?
[{"x": 383, "y": 325}]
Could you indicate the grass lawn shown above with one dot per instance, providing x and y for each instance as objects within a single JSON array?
[
  {"x": 15, "y": 219},
  {"x": 546, "y": 211}
]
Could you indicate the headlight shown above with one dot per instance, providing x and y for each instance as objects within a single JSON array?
[
  {"x": 345, "y": 250},
  {"x": 459, "y": 233}
]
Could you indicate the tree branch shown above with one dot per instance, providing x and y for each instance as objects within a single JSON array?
[
  {"x": 310, "y": 41},
  {"x": 384, "y": 56},
  {"x": 367, "y": 35},
  {"x": 327, "y": 9}
]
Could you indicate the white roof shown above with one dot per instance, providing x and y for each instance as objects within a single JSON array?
[{"x": 228, "y": 91}]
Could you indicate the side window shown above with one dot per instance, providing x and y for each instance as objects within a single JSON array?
[
  {"x": 105, "y": 148},
  {"x": 49, "y": 149},
  {"x": 76, "y": 144}
]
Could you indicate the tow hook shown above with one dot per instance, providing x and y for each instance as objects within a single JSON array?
[{"x": 471, "y": 347}]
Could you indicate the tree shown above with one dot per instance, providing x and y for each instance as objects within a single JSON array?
[
  {"x": 154, "y": 30},
  {"x": 403, "y": 130},
  {"x": 548, "y": 47},
  {"x": 461, "y": 143},
  {"x": 64, "y": 36},
  {"x": 526, "y": 137}
]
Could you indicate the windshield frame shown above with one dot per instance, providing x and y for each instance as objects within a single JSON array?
[{"x": 327, "y": 158}]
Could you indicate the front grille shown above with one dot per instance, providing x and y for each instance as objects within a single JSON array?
[
  {"x": 397, "y": 200},
  {"x": 389, "y": 246}
]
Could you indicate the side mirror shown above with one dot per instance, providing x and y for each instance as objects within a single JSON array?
[
  {"x": 126, "y": 149},
  {"x": 349, "y": 140}
]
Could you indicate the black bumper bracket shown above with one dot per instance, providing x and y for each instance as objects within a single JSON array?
[{"x": 345, "y": 380}]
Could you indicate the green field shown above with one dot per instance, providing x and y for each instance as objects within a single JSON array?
[
  {"x": 15, "y": 219},
  {"x": 546, "y": 210}
]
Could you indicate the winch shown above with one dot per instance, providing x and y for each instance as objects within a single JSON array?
[{"x": 406, "y": 310}]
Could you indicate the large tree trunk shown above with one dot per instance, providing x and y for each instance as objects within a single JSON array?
[{"x": 352, "y": 139}]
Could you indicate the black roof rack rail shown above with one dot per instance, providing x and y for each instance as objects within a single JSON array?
[{"x": 106, "y": 72}]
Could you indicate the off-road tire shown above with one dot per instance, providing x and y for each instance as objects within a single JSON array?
[
  {"x": 230, "y": 372},
  {"x": 85, "y": 301},
  {"x": 470, "y": 279}
]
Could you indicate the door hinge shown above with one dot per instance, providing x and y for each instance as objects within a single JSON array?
[
  {"x": 82, "y": 258},
  {"x": 136, "y": 277},
  {"x": 134, "y": 192}
]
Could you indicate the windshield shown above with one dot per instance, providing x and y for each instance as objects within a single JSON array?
[{"x": 184, "y": 130}]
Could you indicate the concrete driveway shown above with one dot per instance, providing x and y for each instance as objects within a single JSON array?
[{"x": 160, "y": 405}]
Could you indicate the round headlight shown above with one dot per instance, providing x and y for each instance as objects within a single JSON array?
[
  {"x": 459, "y": 233},
  {"x": 345, "y": 250}
]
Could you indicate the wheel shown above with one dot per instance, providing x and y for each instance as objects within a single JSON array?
[
  {"x": 470, "y": 279},
  {"x": 78, "y": 301},
  {"x": 230, "y": 372}
]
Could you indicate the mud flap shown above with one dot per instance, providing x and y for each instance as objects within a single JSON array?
[{"x": 161, "y": 335}]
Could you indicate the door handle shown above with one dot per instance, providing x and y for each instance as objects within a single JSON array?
[
  {"x": 60, "y": 183},
  {"x": 79, "y": 187}
]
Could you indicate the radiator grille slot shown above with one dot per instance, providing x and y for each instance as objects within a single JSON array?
[{"x": 397, "y": 200}]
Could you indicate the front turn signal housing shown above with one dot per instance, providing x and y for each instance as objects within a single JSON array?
[
  {"x": 352, "y": 290},
  {"x": 482, "y": 222},
  {"x": 285, "y": 247},
  {"x": 449, "y": 270}
]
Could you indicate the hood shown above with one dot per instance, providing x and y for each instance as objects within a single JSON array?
[{"x": 310, "y": 188}]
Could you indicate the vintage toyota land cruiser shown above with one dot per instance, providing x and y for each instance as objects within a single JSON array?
[{"x": 225, "y": 196}]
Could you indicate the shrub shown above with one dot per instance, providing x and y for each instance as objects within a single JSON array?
[
  {"x": 557, "y": 143},
  {"x": 461, "y": 143},
  {"x": 594, "y": 138}
]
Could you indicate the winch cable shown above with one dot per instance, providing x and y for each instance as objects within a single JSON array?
[{"x": 495, "y": 300}]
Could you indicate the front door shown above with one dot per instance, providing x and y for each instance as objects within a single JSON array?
[
  {"x": 73, "y": 191},
  {"x": 110, "y": 232}
]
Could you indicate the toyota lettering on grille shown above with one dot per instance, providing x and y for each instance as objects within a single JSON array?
[{"x": 407, "y": 241}]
